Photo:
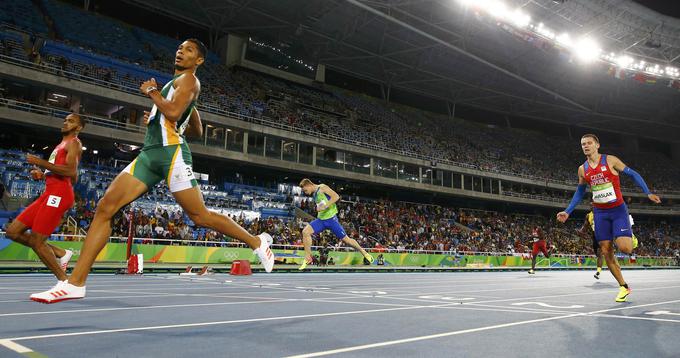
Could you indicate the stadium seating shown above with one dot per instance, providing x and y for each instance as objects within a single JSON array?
[
  {"x": 23, "y": 14},
  {"x": 347, "y": 116}
]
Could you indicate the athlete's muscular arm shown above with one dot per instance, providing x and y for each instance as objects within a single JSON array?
[
  {"x": 334, "y": 196},
  {"x": 617, "y": 165},
  {"x": 186, "y": 90},
  {"x": 585, "y": 231},
  {"x": 562, "y": 216},
  {"x": 195, "y": 128},
  {"x": 70, "y": 169}
]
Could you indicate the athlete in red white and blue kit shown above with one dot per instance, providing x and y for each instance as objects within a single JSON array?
[
  {"x": 612, "y": 222},
  {"x": 45, "y": 214}
]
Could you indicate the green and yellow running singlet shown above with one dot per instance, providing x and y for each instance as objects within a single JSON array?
[
  {"x": 160, "y": 131},
  {"x": 320, "y": 197}
]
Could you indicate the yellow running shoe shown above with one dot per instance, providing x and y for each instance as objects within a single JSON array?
[
  {"x": 623, "y": 294},
  {"x": 304, "y": 265},
  {"x": 369, "y": 258},
  {"x": 635, "y": 242}
]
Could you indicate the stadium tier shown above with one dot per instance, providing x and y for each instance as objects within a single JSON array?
[
  {"x": 296, "y": 178},
  {"x": 349, "y": 116}
]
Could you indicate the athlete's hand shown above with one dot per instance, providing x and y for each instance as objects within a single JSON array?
[
  {"x": 146, "y": 117},
  {"x": 562, "y": 216},
  {"x": 655, "y": 198},
  {"x": 321, "y": 207},
  {"x": 147, "y": 85},
  {"x": 32, "y": 159},
  {"x": 37, "y": 174}
]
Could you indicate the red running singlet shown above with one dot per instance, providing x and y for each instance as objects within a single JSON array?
[
  {"x": 58, "y": 157},
  {"x": 604, "y": 184}
]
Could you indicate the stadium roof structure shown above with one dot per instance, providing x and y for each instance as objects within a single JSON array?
[{"x": 443, "y": 49}]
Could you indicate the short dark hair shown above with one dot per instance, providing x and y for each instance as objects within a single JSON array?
[
  {"x": 590, "y": 135},
  {"x": 202, "y": 48},
  {"x": 82, "y": 120}
]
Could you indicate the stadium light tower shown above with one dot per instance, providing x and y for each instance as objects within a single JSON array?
[{"x": 587, "y": 50}]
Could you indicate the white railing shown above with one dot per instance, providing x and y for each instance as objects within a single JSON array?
[
  {"x": 60, "y": 113},
  {"x": 237, "y": 244},
  {"x": 565, "y": 201},
  {"x": 210, "y": 108}
]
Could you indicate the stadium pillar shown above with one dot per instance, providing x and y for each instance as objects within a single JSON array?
[
  {"x": 236, "y": 49},
  {"x": 245, "y": 142},
  {"x": 314, "y": 156},
  {"x": 75, "y": 104},
  {"x": 675, "y": 152},
  {"x": 451, "y": 108},
  {"x": 371, "y": 173},
  {"x": 320, "y": 73}
]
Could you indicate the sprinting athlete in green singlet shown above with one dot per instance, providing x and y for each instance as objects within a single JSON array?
[
  {"x": 165, "y": 156},
  {"x": 327, "y": 211}
]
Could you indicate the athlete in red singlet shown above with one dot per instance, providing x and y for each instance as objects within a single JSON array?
[
  {"x": 45, "y": 214},
  {"x": 539, "y": 245},
  {"x": 610, "y": 214}
]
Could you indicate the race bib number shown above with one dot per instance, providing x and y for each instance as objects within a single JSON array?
[
  {"x": 53, "y": 201},
  {"x": 603, "y": 194},
  {"x": 182, "y": 173}
]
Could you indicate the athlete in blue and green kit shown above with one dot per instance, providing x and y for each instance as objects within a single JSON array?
[{"x": 327, "y": 219}]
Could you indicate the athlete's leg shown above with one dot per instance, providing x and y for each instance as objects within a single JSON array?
[
  {"x": 191, "y": 200},
  {"x": 334, "y": 225},
  {"x": 46, "y": 255},
  {"x": 122, "y": 191},
  {"x": 354, "y": 244},
  {"x": 599, "y": 262},
  {"x": 608, "y": 253},
  {"x": 307, "y": 233},
  {"x": 17, "y": 233},
  {"x": 534, "y": 255},
  {"x": 624, "y": 244},
  {"x": 24, "y": 238},
  {"x": 622, "y": 230}
]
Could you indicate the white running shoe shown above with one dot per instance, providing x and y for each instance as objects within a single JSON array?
[
  {"x": 63, "y": 261},
  {"x": 264, "y": 252},
  {"x": 62, "y": 291}
]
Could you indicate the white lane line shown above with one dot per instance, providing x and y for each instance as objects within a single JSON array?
[
  {"x": 94, "y": 298},
  {"x": 142, "y": 307},
  {"x": 453, "y": 307},
  {"x": 464, "y": 331},
  {"x": 15, "y": 346},
  {"x": 545, "y": 305},
  {"x": 666, "y": 313},
  {"x": 392, "y": 297},
  {"x": 421, "y": 338},
  {"x": 576, "y": 294},
  {"x": 118, "y": 284},
  {"x": 522, "y": 309},
  {"x": 638, "y": 318},
  {"x": 514, "y": 288},
  {"x": 216, "y": 323}
]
